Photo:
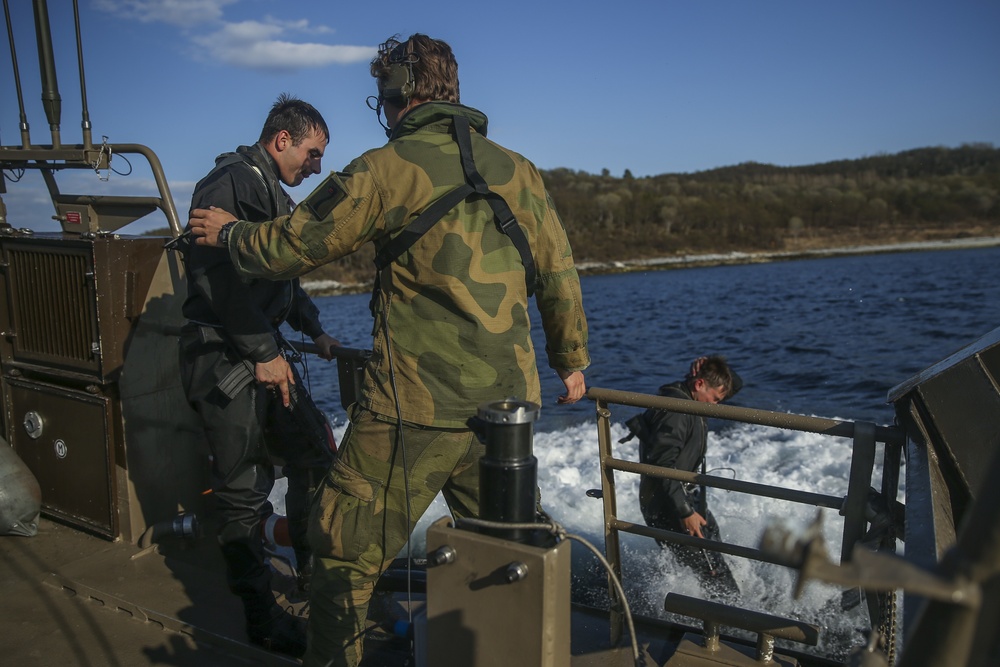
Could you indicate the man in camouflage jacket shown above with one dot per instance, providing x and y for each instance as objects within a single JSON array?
[{"x": 451, "y": 325}]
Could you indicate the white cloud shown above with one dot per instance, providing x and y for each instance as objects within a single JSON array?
[
  {"x": 183, "y": 13},
  {"x": 259, "y": 45},
  {"x": 265, "y": 44},
  {"x": 302, "y": 25}
]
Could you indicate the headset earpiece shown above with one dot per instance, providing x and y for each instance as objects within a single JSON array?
[{"x": 399, "y": 84}]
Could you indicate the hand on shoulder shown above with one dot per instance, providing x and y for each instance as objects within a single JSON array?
[{"x": 206, "y": 223}]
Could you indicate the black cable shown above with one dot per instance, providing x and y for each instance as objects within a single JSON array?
[
  {"x": 732, "y": 470},
  {"x": 560, "y": 533},
  {"x": 15, "y": 175},
  {"x": 120, "y": 173},
  {"x": 402, "y": 452},
  {"x": 304, "y": 361}
]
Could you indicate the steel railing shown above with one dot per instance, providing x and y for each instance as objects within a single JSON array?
[{"x": 865, "y": 436}]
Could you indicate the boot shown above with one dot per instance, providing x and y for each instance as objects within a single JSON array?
[
  {"x": 272, "y": 628},
  {"x": 303, "y": 573},
  {"x": 303, "y": 578}
]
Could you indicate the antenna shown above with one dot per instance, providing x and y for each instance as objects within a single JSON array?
[
  {"x": 25, "y": 137},
  {"x": 51, "y": 101},
  {"x": 77, "y": 213},
  {"x": 85, "y": 123}
]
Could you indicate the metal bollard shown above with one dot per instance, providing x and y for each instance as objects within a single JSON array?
[{"x": 508, "y": 472}]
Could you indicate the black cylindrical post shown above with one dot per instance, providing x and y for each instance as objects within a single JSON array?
[
  {"x": 508, "y": 472},
  {"x": 85, "y": 123},
  {"x": 51, "y": 101}
]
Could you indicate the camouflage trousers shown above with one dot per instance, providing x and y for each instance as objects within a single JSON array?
[{"x": 360, "y": 520}]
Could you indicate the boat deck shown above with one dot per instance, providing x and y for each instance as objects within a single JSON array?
[{"x": 72, "y": 599}]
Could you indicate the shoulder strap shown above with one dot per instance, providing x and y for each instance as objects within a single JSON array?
[
  {"x": 391, "y": 251},
  {"x": 474, "y": 184},
  {"x": 504, "y": 217}
]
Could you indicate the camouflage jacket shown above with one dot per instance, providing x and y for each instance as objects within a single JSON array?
[{"x": 456, "y": 301}]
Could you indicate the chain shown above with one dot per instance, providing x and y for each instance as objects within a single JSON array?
[
  {"x": 105, "y": 149},
  {"x": 887, "y": 625}
]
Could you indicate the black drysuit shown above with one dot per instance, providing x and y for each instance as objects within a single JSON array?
[
  {"x": 234, "y": 323},
  {"x": 675, "y": 440}
]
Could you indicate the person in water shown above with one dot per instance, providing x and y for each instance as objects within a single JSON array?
[
  {"x": 233, "y": 357},
  {"x": 466, "y": 234},
  {"x": 676, "y": 440}
]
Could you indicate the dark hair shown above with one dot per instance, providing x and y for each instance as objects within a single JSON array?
[
  {"x": 717, "y": 373},
  {"x": 435, "y": 70},
  {"x": 296, "y": 117}
]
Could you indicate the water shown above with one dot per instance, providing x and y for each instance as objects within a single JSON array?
[{"x": 826, "y": 337}]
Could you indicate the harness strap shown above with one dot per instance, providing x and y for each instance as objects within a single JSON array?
[
  {"x": 505, "y": 221},
  {"x": 391, "y": 251},
  {"x": 475, "y": 184}
]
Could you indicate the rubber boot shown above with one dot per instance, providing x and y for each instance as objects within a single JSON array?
[
  {"x": 274, "y": 629},
  {"x": 303, "y": 573}
]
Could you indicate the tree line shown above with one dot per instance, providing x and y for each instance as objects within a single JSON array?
[
  {"x": 920, "y": 194},
  {"x": 912, "y": 195}
]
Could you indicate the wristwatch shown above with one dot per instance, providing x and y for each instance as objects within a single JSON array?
[{"x": 224, "y": 233}]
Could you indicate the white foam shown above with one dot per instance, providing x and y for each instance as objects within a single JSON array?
[{"x": 568, "y": 465}]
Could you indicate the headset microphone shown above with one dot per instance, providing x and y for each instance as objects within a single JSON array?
[{"x": 398, "y": 85}]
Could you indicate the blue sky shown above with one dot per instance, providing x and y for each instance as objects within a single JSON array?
[{"x": 653, "y": 87}]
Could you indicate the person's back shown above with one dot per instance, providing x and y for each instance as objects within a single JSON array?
[{"x": 461, "y": 288}]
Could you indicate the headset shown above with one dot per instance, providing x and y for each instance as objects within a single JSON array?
[{"x": 399, "y": 84}]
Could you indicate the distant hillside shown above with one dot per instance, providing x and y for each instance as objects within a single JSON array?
[
  {"x": 922, "y": 194},
  {"x": 917, "y": 195}
]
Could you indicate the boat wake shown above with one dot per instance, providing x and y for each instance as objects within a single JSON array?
[{"x": 568, "y": 467}]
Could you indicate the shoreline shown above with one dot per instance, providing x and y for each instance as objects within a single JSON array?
[
  {"x": 333, "y": 288},
  {"x": 737, "y": 257}
]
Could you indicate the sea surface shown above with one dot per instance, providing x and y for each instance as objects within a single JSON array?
[{"x": 826, "y": 337}]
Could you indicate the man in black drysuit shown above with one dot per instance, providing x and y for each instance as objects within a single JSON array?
[
  {"x": 676, "y": 440},
  {"x": 232, "y": 358}
]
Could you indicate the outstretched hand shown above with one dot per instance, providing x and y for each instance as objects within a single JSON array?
[
  {"x": 205, "y": 224},
  {"x": 576, "y": 386}
]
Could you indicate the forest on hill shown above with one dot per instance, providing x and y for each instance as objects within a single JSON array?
[{"x": 917, "y": 195}]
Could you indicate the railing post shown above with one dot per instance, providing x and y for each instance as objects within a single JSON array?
[
  {"x": 862, "y": 465},
  {"x": 612, "y": 547},
  {"x": 853, "y": 507}
]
